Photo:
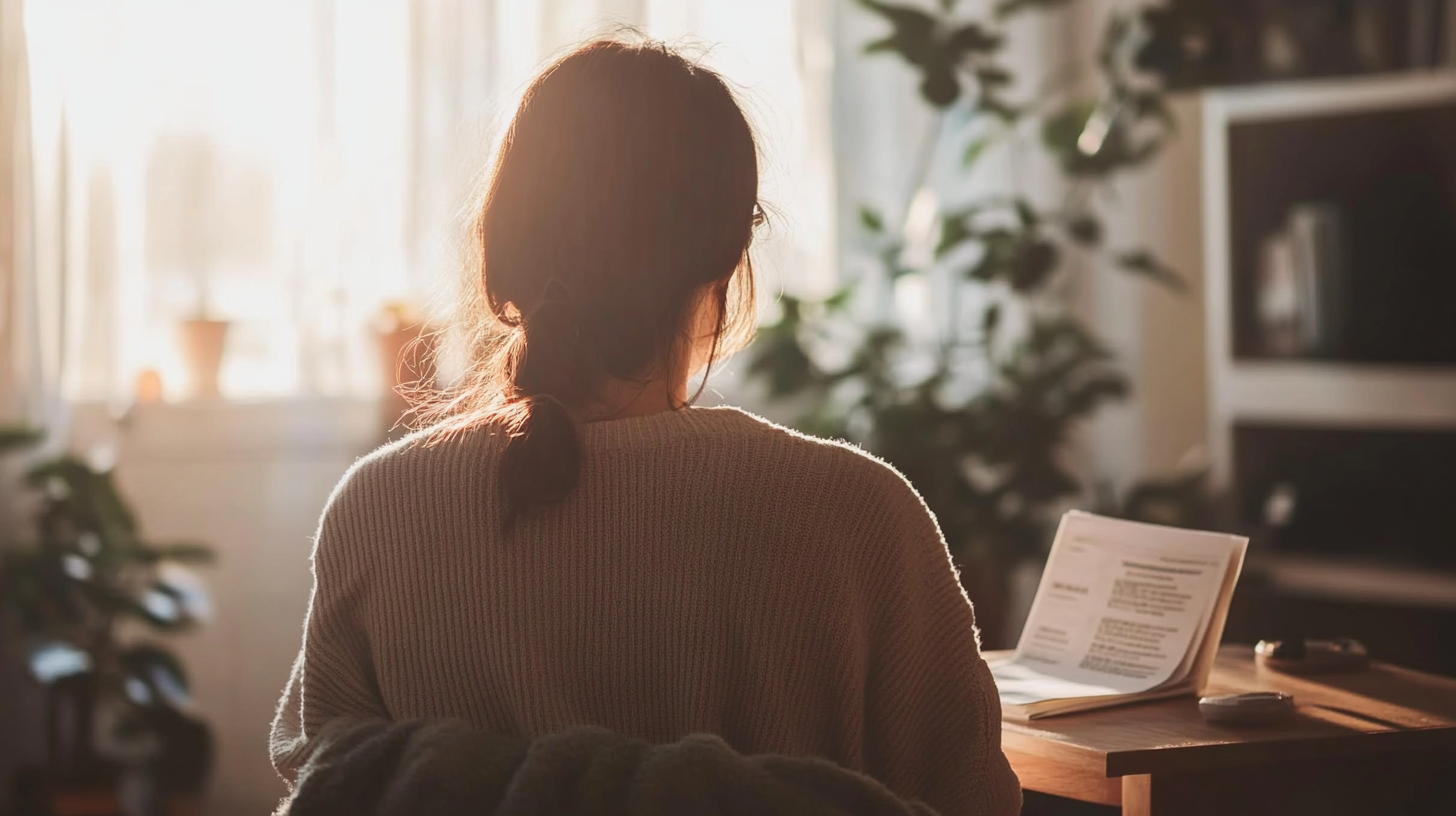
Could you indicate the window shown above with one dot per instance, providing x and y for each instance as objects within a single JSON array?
[{"x": 292, "y": 166}]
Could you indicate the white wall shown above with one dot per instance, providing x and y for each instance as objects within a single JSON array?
[
  {"x": 1157, "y": 334},
  {"x": 249, "y": 480}
]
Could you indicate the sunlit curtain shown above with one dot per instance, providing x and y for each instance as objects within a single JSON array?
[
  {"x": 291, "y": 167},
  {"x": 21, "y": 386},
  {"x": 20, "y": 353}
]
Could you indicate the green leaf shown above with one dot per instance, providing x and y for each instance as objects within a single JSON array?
[
  {"x": 184, "y": 553},
  {"x": 93, "y": 500},
  {"x": 1034, "y": 265},
  {"x": 1026, "y": 214},
  {"x": 871, "y": 219},
  {"x": 990, "y": 321},
  {"x": 954, "y": 231},
  {"x": 161, "y": 606},
  {"x": 779, "y": 359},
  {"x": 824, "y": 424},
  {"x": 972, "y": 37},
  {"x": 993, "y": 76},
  {"x": 15, "y": 437},
  {"x": 1151, "y": 104},
  {"x": 940, "y": 87},
  {"x": 998, "y": 261},
  {"x": 165, "y": 607},
  {"x": 920, "y": 39},
  {"x": 1085, "y": 229},
  {"x": 1085, "y": 398},
  {"x": 974, "y": 151},
  {"x": 1141, "y": 262},
  {"x": 912, "y": 35},
  {"x": 161, "y": 672},
  {"x": 56, "y": 660},
  {"x": 839, "y": 299},
  {"x": 1060, "y": 131},
  {"x": 998, "y": 107}
]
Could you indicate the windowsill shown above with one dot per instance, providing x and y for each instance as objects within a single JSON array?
[{"x": 301, "y": 427}]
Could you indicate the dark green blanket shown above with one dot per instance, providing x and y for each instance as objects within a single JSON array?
[{"x": 445, "y": 768}]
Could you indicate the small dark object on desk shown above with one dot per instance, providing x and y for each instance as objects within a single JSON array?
[
  {"x": 1249, "y": 708},
  {"x": 1311, "y": 656}
]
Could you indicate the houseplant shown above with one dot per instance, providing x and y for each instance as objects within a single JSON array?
[
  {"x": 79, "y": 591},
  {"x": 978, "y": 411}
]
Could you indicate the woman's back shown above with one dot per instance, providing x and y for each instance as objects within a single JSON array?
[
  {"x": 572, "y": 545},
  {"x": 710, "y": 573}
]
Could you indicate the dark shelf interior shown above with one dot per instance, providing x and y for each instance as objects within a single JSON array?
[
  {"x": 1387, "y": 495},
  {"x": 1391, "y": 178}
]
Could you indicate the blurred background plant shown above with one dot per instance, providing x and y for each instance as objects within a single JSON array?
[
  {"x": 977, "y": 405},
  {"x": 84, "y": 598}
]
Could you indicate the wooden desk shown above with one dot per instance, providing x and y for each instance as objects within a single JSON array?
[{"x": 1380, "y": 741}]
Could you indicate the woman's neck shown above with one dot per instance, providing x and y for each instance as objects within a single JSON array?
[{"x": 620, "y": 399}]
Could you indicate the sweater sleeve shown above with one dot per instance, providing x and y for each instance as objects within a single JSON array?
[
  {"x": 932, "y": 713},
  {"x": 333, "y": 675}
]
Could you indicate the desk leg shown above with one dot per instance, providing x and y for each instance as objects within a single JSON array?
[
  {"x": 1414, "y": 784},
  {"x": 1137, "y": 795}
]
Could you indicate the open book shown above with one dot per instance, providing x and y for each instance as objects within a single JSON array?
[{"x": 1125, "y": 612}]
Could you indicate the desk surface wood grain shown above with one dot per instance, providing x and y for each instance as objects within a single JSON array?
[{"x": 1381, "y": 710}]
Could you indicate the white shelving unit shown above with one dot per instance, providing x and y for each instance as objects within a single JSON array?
[{"x": 1297, "y": 392}]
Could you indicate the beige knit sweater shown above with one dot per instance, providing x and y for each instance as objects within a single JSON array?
[{"x": 711, "y": 573}]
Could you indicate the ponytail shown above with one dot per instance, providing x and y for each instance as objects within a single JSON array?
[{"x": 542, "y": 459}]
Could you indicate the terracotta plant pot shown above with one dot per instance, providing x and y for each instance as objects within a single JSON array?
[{"x": 203, "y": 344}]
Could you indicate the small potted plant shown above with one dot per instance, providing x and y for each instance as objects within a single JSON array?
[
  {"x": 118, "y": 714},
  {"x": 204, "y": 340},
  {"x": 192, "y": 226},
  {"x": 204, "y": 337}
]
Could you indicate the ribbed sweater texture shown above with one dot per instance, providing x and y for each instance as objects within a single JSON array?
[{"x": 711, "y": 573}]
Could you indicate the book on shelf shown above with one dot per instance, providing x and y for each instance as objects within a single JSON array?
[
  {"x": 1301, "y": 286},
  {"x": 1125, "y": 612},
  {"x": 1448, "y": 34},
  {"x": 1424, "y": 41},
  {"x": 1317, "y": 243}
]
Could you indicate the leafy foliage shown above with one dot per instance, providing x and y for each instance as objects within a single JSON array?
[
  {"x": 1180, "y": 500},
  {"x": 16, "y": 438},
  {"x": 85, "y": 574},
  {"x": 979, "y": 416},
  {"x": 942, "y": 50}
]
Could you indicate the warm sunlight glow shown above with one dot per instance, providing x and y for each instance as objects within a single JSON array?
[
  {"x": 238, "y": 161},
  {"x": 287, "y": 167}
]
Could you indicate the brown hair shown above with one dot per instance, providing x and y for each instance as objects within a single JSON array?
[{"x": 625, "y": 188}]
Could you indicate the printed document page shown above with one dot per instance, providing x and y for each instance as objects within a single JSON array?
[{"x": 1120, "y": 609}]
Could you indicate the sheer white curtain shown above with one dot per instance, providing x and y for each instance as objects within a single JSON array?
[
  {"x": 292, "y": 166},
  {"x": 17, "y": 329}
]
